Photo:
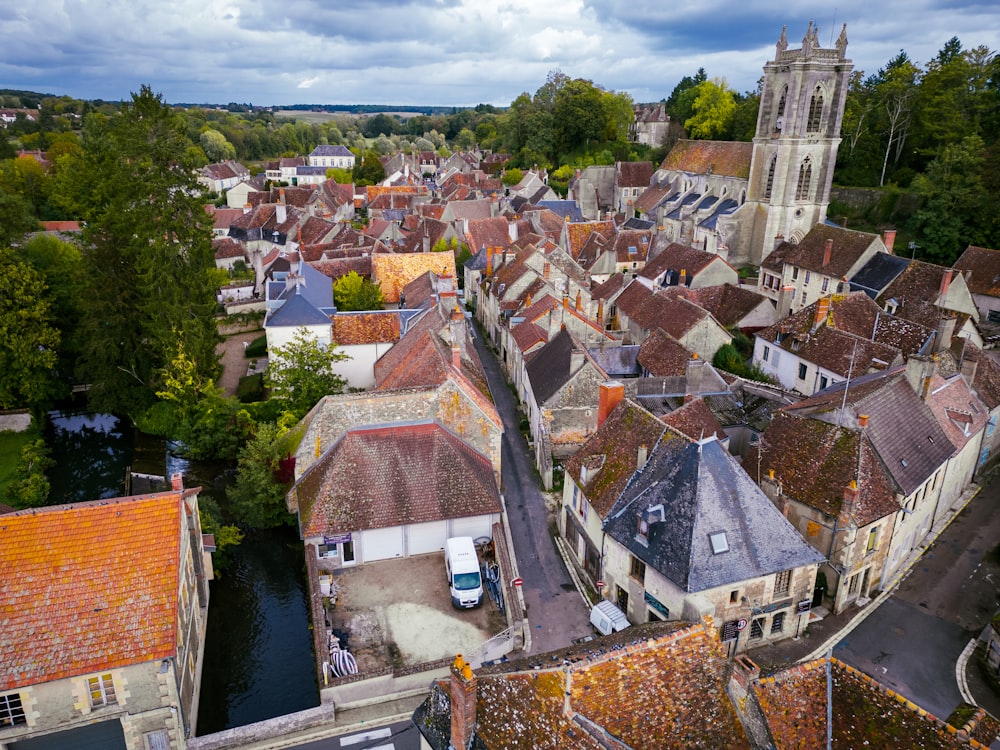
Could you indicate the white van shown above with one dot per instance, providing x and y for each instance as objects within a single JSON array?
[
  {"x": 464, "y": 578},
  {"x": 607, "y": 618}
]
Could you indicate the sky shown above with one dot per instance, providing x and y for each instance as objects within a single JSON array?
[{"x": 441, "y": 52}]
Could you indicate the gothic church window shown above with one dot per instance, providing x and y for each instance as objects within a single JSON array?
[
  {"x": 779, "y": 118},
  {"x": 770, "y": 178},
  {"x": 815, "y": 111},
  {"x": 805, "y": 180}
]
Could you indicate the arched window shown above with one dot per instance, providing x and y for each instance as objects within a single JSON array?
[
  {"x": 815, "y": 111},
  {"x": 805, "y": 180},
  {"x": 769, "y": 184},
  {"x": 779, "y": 113}
]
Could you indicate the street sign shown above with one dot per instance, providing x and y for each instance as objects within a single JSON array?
[
  {"x": 741, "y": 624},
  {"x": 600, "y": 584},
  {"x": 516, "y": 582}
]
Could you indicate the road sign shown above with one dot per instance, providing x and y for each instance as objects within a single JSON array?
[
  {"x": 600, "y": 584},
  {"x": 516, "y": 582},
  {"x": 741, "y": 624}
]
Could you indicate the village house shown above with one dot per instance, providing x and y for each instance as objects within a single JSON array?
[
  {"x": 222, "y": 176},
  {"x": 680, "y": 265},
  {"x": 337, "y": 157},
  {"x": 116, "y": 663},
  {"x": 980, "y": 267}
]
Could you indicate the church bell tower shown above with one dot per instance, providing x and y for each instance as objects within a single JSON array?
[{"x": 795, "y": 146}]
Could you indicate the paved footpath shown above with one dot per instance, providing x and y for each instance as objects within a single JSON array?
[{"x": 556, "y": 611}]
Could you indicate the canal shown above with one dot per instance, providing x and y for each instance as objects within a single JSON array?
[{"x": 258, "y": 651}]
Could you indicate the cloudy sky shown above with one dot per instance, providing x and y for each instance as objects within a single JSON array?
[{"x": 440, "y": 52}]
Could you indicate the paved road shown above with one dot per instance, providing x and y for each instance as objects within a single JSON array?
[
  {"x": 913, "y": 641},
  {"x": 401, "y": 735},
  {"x": 555, "y": 609}
]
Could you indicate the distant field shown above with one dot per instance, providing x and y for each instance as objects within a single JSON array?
[
  {"x": 10, "y": 453},
  {"x": 319, "y": 117}
]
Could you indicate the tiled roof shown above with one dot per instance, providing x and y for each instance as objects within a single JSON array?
[
  {"x": 651, "y": 310},
  {"x": 380, "y": 477},
  {"x": 609, "y": 288},
  {"x": 656, "y": 686},
  {"x": 652, "y": 197},
  {"x": 396, "y": 270},
  {"x": 354, "y": 328},
  {"x": 961, "y": 415},
  {"x": 226, "y": 247},
  {"x": 986, "y": 381},
  {"x": 695, "y": 420},
  {"x": 88, "y": 586},
  {"x": 848, "y": 247},
  {"x": 704, "y": 491},
  {"x": 663, "y": 356},
  {"x": 631, "y": 245},
  {"x": 489, "y": 232},
  {"x": 579, "y": 234},
  {"x": 528, "y": 335},
  {"x": 865, "y": 714},
  {"x": 983, "y": 267},
  {"x": 610, "y": 455},
  {"x": 474, "y": 209},
  {"x": 678, "y": 257},
  {"x": 727, "y": 303},
  {"x": 901, "y": 427},
  {"x": 916, "y": 289},
  {"x": 726, "y": 158},
  {"x": 815, "y": 462},
  {"x": 633, "y": 173}
]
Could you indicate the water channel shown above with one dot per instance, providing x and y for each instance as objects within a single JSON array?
[{"x": 258, "y": 651}]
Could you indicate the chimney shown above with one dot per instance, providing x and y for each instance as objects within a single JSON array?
[
  {"x": 945, "y": 282},
  {"x": 642, "y": 457},
  {"x": 889, "y": 239},
  {"x": 849, "y": 503},
  {"x": 918, "y": 372},
  {"x": 600, "y": 312},
  {"x": 527, "y": 301},
  {"x": 862, "y": 421},
  {"x": 463, "y": 704},
  {"x": 611, "y": 394},
  {"x": 827, "y": 252},
  {"x": 280, "y": 213},
  {"x": 546, "y": 271},
  {"x": 778, "y": 239},
  {"x": 512, "y": 231},
  {"x": 246, "y": 208},
  {"x": 784, "y": 306},
  {"x": 177, "y": 482},
  {"x": 579, "y": 300},
  {"x": 565, "y": 302},
  {"x": 682, "y": 279},
  {"x": 822, "y": 309},
  {"x": 745, "y": 672},
  {"x": 945, "y": 331},
  {"x": 489, "y": 261}
]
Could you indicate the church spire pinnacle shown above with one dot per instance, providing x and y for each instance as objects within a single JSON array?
[{"x": 782, "y": 40}]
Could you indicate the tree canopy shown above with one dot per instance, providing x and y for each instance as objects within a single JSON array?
[
  {"x": 353, "y": 292},
  {"x": 300, "y": 373}
]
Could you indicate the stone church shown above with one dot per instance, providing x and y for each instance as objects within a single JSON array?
[{"x": 741, "y": 199}]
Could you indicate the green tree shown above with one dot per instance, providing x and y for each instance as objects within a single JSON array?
[
  {"x": 227, "y": 536},
  {"x": 216, "y": 147},
  {"x": 340, "y": 176},
  {"x": 580, "y": 117},
  {"x": 465, "y": 139},
  {"x": 512, "y": 177},
  {"x": 354, "y": 292},
  {"x": 301, "y": 372},
  {"x": 18, "y": 218},
  {"x": 619, "y": 114},
  {"x": 29, "y": 339},
  {"x": 257, "y": 498},
  {"x": 712, "y": 110},
  {"x": 369, "y": 170},
  {"x": 31, "y": 487},
  {"x": 896, "y": 90},
  {"x": 679, "y": 103},
  {"x": 955, "y": 205},
  {"x": 147, "y": 250}
]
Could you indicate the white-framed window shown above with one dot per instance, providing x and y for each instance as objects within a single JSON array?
[
  {"x": 11, "y": 710},
  {"x": 102, "y": 690}
]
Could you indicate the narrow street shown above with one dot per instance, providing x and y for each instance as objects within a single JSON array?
[
  {"x": 914, "y": 640},
  {"x": 556, "y": 610}
]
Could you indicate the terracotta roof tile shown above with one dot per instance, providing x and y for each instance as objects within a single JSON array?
[
  {"x": 982, "y": 266},
  {"x": 848, "y": 248},
  {"x": 77, "y": 578},
  {"x": 727, "y": 158},
  {"x": 351, "y": 329},
  {"x": 695, "y": 420},
  {"x": 396, "y": 270},
  {"x": 663, "y": 356}
]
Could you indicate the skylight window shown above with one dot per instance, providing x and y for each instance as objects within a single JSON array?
[{"x": 719, "y": 542}]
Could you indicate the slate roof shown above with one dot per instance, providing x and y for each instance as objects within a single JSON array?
[
  {"x": 815, "y": 462},
  {"x": 901, "y": 427},
  {"x": 563, "y": 209},
  {"x": 983, "y": 270},
  {"x": 550, "y": 369},
  {"x": 88, "y": 587},
  {"x": 704, "y": 491},
  {"x": 877, "y": 273},
  {"x": 657, "y": 686},
  {"x": 325, "y": 150},
  {"x": 380, "y": 477},
  {"x": 727, "y": 158},
  {"x": 616, "y": 361},
  {"x": 723, "y": 208},
  {"x": 297, "y": 311}
]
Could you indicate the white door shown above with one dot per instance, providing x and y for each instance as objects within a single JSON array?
[
  {"x": 381, "y": 544},
  {"x": 422, "y": 538},
  {"x": 474, "y": 526}
]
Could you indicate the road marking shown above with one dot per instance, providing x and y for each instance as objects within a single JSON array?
[
  {"x": 963, "y": 683},
  {"x": 376, "y": 734}
]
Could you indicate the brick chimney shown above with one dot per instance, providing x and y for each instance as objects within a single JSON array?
[
  {"x": 177, "y": 482},
  {"x": 822, "y": 310},
  {"x": 889, "y": 239},
  {"x": 863, "y": 421},
  {"x": 682, "y": 278},
  {"x": 546, "y": 271},
  {"x": 489, "y": 261},
  {"x": 463, "y": 704},
  {"x": 778, "y": 239},
  {"x": 579, "y": 300},
  {"x": 945, "y": 282},
  {"x": 827, "y": 252},
  {"x": 600, "y": 312},
  {"x": 565, "y": 302},
  {"x": 611, "y": 394},
  {"x": 849, "y": 503},
  {"x": 527, "y": 301}
]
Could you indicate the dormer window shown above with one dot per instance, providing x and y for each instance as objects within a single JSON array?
[{"x": 719, "y": 542}]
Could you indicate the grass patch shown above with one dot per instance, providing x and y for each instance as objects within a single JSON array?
[
  {"x": 256, "y": 348},
  {"x": 11, "y": 444}
]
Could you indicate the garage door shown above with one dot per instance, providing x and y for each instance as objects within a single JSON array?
[
  {"x": 426, "y": 537},
  {"x": 474, "y": 526},
  {"x": 382, "y": 544},
  {"x": 105, "y": 735}
]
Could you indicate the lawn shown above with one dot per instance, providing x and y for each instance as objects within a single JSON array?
[{"x": 11, "y": 444}]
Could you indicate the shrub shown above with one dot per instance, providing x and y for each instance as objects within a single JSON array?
[
  {"x": 256, "y": 348},
  {"x": 251, "y": 388}
]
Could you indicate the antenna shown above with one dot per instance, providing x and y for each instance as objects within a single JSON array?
[
  {"x": 847, "y": 384},
  {"x": 833, "y": 26}
]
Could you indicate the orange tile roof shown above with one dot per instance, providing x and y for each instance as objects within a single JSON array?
[
  {"x": 396, "y": 270},
  {"x": 88, "y": 586},
  {"x": 726, "y": 158}
]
